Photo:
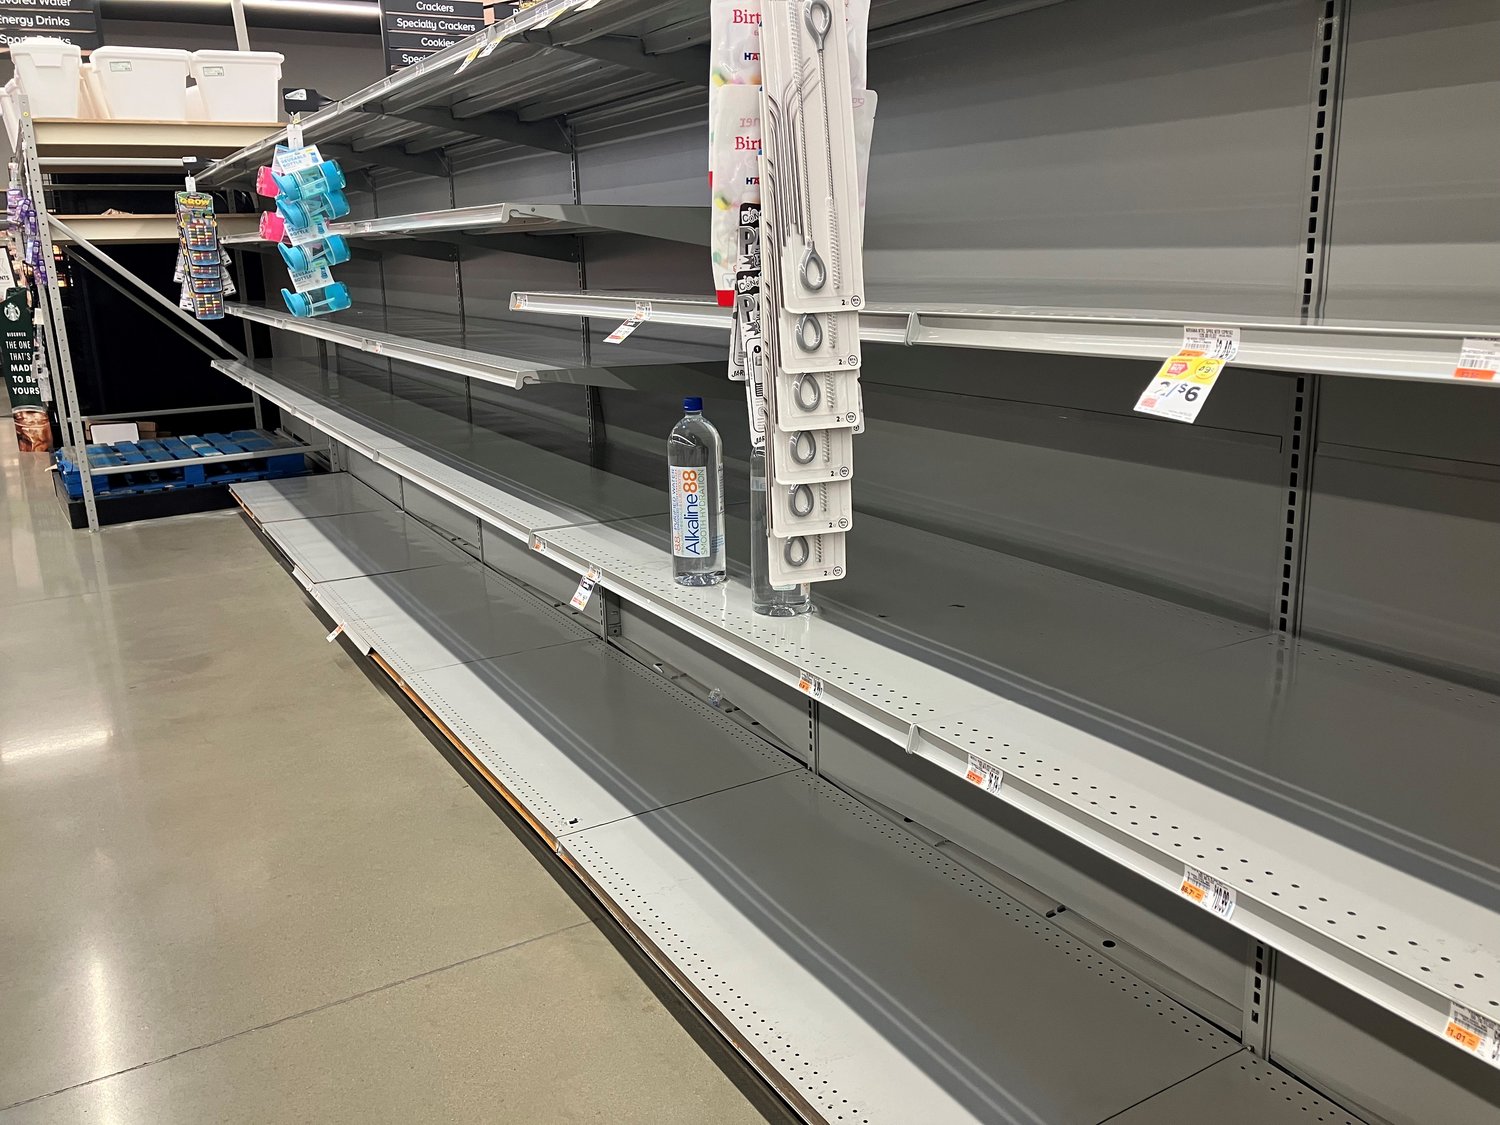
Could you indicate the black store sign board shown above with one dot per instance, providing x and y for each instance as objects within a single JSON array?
[
  {"x": 76, "y": 21},
  {"x": 414, "y": 29}
]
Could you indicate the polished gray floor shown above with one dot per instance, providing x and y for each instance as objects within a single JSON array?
[{"x": 217, "y": 907}]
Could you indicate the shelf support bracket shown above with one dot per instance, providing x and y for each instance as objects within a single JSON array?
[
  {"x": 438, "y": 249},
  {"x": 547, "y": 134},
  {"x": 688, "y": 66},
  {"x": 387, "y": 156},
  {"x": 913, "y": 326},
  {"x": 556, "y": 247}
]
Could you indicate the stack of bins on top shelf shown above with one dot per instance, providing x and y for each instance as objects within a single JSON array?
[{"x": 143, "y": 83}]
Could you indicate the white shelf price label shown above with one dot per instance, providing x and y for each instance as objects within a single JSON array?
[
  {"x": 585, "y": 591},
  {"x": 1184, "y": 382},
  {"x": 1475, "y": 1033},
  {"x": 1212, "y": 894},
  {"x": 981, "y": 773},
  {"x": 640, "y": 316},
  {"x": 808, "y": 684},
  {"x": 1215, "y": 343},
  {"x": 333, "y": 636},
  {"x": 1479, "y": 359},
  {"x": 469, "y": 59}
]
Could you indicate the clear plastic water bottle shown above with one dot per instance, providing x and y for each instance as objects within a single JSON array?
[
  {"x": 773, "y": 601},
  {"x": 695, "y": 468}
]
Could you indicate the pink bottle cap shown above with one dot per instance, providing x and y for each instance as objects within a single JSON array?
[
  {"x": 272, "y": 226},
  {"x": 265, "y": 184}
]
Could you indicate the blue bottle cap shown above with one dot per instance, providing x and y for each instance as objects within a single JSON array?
[
  {"x": 288, "y": 184},
  {"x": 295, "y": 257},
  {"x": 293, "y": 212},
  {"x": 692, "y": 404},
  {"x": 296, "y": 303}
]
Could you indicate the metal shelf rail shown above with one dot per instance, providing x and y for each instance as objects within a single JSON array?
[
  {"x": 773, "y": 899},
  {"x": 471, "y": 346},
  {"x": 1403, "y": 941},
  {"x": 514, "y": 227},
  {"x": 137, "y": 228},
  {"x": 1414, "y": 352}
]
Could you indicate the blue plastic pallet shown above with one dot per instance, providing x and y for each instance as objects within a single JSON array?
[{"x": 176, "y": 463}]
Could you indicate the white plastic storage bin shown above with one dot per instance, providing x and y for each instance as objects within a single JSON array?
[
  {"x": 239, "y": 85},
  {"x": 143, "y": 83},
  {"x": 195, "y": 104},
  {"x": 10, "y": 113},
  {"x": 48, "y": 72},
  {"x": 92, "y": 95}
]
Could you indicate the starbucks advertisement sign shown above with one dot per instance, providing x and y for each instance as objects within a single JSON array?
[{"x": 27, "y": 406}]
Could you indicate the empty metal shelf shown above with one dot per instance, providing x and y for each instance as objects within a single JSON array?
[
  {"x": 510, "y": 353},
  {"x": 818, "y": 936}
]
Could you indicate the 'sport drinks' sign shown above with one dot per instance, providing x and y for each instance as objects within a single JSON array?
[
  {"x": 76, "y": 21},
  {"x": 414, "y": 29}
]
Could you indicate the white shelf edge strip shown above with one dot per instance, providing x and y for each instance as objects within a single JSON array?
[
  {"x": 1433, "y": 957},
  {"x": 1424, "y": 354},
  {"x": 493, "y": 369}
]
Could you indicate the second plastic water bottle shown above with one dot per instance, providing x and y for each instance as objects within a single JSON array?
[{"x": 695, "y": 465}]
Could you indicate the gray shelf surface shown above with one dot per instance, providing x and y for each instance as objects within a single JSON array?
[
  {"x": 1239, "y": 1090},
  {"x": 439, "y": 616},
  {"x": 300, "y": 498},
  {"x": 1062, "y": 681},
  {"x": 373, "y": 542},
  {"x": 512, "y": 353},
  {"x": 676, "y": 224},
  {"x": 1012, "y": 320},
  {"x": 817, "y": 935},
  {"x": 547, "y": 468}
]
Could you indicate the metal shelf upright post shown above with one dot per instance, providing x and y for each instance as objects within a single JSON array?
[{"x": 55, "y": 331}]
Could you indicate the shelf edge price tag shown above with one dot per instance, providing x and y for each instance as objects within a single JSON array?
[
  {"x": 495, "y": 41},
  {"x": 1183, "y": 383},
  {"x": 585, "y": 591},
  {"x": 1479, "y": 359},
  {"x": 985, "y": 775},
  {"x": 469, "y": 58},
  {"x": 808, "y": 684},
  {"x": 1476, "y": 1033},
  {"x": 640, "y": 316},
  {"x": 1212, "y": 894}
]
